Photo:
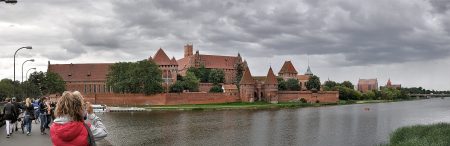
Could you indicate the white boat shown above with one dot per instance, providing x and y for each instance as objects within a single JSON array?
[{"x": 100, "y": 108}]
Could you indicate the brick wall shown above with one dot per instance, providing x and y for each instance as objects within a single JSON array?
[
  {"x": 160, "y": 99},
  {"x": 321, "y": 96}
]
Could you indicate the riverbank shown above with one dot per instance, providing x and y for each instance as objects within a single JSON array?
[
  {"x": 237, "y": 105},
  {"x": 421, "y": 135},
  {"x": 256, "y": 105}
]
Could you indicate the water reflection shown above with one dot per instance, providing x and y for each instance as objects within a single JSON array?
[{"x": 333, "y": 125}]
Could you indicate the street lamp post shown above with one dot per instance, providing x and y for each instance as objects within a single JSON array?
[
  {"x": 26, "y": 92},
  {"x": 32, "y": 60},
  {"x": 9, "y": 1},
  {"x": 26, "y": 75},
  {"x": 14, "y": 87}
]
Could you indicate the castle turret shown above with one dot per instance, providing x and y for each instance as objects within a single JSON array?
[
  {"x": 247, "y": 87},
  {"x": 271, "y": 87},
  {"x": 288, "y": 71},
  {"x": 308, "y": 71}
]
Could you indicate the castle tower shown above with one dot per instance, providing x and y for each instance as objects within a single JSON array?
[
  {"x": 188, "y": 50},
  {"x": 288, "y": 71},
  {"x": 309, "y": 72},
  {"x": 247, "y": 87},
  {"x": 271, "y": 87}
]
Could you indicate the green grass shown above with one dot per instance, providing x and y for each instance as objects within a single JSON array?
[
  {"x": 236, "y": 105},
  {"x": 421, "y": 135}
]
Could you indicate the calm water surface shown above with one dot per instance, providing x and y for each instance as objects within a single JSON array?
[{"x": 348, "y": 125}]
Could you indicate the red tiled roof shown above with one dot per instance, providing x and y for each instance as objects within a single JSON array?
[
  {"x": 367, "y": 81},
  {"x": 271, "y": 79},
  {"x": 161, "y": 58},
  {"x": 247, "y": 77},
  {"x": 173, "y": 61},
  {"x": 183, "y": 64},
  {"x": 303, "y": 77},
  {"x": 288, "y": 68},
  {"x": 215, "y": 61},
  {"x": 81, "y": 72},
  {"x": 210, "y": 61}
]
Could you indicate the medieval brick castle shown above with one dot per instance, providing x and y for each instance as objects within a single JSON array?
[{"x": 91, "y": 78}]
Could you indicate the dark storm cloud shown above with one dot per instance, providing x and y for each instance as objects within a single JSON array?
[
  {"x": 369, "y": 32},
  {"x": 364, "y": 32}
]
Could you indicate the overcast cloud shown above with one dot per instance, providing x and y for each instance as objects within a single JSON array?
[{"x": 405, "y": 40}]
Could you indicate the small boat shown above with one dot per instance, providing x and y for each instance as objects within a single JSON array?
[
  {"x": 100, "y": 108},
  {"x": 367, "y": 109}
]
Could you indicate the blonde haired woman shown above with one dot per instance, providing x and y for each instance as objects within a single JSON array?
[
  {"x": 29, "y": 115},
  {"x": 69, "y": 127}
]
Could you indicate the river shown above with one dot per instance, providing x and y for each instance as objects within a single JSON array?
[{"x": 344, "y": 125}]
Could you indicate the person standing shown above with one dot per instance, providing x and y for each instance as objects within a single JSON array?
[
  {"x": 43, "y": 110},
  {"x": 9, "y": 114},
  {"x": 69, "y": 127},
  {"x": 29, "y": 115}
]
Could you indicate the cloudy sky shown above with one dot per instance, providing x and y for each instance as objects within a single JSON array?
[{"x": 405, "y": 40}]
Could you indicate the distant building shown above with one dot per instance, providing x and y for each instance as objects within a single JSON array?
[
  {"x": 226, "y": 63},
  {"x": 86, "y": 78},
  {"x": 390, "y": 85},
  {"x": 365, "y": 85}
]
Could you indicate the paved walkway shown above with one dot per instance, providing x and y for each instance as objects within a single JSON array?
[
  {"x": 19, "y": 139},
  {"x": 35, "y": 139}
]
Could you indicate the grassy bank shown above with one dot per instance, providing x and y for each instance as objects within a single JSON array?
[
  {"x": 421, "y": 135},
  {"x": 237, "y": 105}
]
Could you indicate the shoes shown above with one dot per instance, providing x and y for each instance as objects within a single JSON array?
[
  {"x": 7, "y": 136},
  {"x": 43, "y": 133},
  {"x": 28, "y": 133}
]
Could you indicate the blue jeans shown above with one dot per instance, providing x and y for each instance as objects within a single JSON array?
[
  {"x": 27, "y": 122},
  {"x": 43, "y": 118}
]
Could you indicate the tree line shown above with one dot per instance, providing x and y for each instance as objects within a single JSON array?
[{"x": 37, "y": 85}]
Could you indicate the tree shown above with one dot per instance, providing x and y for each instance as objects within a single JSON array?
[
  {"x": 330, "y": 85},
  {"x": 201, "y": 73},
  {"x": 348, "y": 84},
  {"x": 216, "y": 76},
  {"x": 191, "y": 82},
  {"x": 293, "y": 85},
  {"x": 369, "y": 95},
  {"x": 282, "y": 84},
  {"x": 216, "y": 89},
  {"x": 239, "y": 72},
  {"x": 53, "y": 83},
  {"x": 313, "y": 83},
  {"x": 348, "y": 94},
  {"x": 178, "y": 87},
  {"x": 135, "y": 77},
  {"x": 6, "y": 88}
]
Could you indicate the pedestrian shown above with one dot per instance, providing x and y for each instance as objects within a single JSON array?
[
  {"x": 49, "y": 113},
  {"x": 69, "y": 127},
  {"x": 43, "y": 114},
  {"x": 29, "y": 115},
  {"x": 9, "y": 113},
  {"x": 17, "y": 108},
  {"x": 36, "y": 110}
]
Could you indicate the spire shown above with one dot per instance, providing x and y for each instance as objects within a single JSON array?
[
  {"x": 389, "y": 82},
  {"x": 308, "y": 71},
  {"x": 271, "y": 79},
  {"x": 247, "y": 78}
]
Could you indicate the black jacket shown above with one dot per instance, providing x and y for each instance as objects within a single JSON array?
[{"x": 9, "y": 111}]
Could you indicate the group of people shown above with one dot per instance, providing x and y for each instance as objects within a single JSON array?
[{"x": 72, "y": 119}]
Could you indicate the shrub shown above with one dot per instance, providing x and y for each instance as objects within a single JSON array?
[{"x": 303, "y": 100}]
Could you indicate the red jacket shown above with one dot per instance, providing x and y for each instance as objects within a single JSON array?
[{"x": 69, "y": 134}]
